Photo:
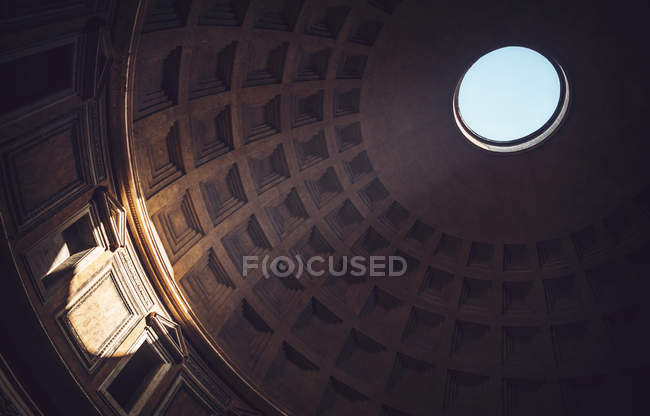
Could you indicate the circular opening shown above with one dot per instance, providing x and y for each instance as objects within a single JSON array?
[{"x": 510, "y": 99}]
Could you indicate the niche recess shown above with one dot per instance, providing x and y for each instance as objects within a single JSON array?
[
  {"x": 135, "y": 378},
  {"x": 65, "y": 251}
]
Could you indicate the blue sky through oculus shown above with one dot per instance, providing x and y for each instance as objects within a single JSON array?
[{"x": 508, "y": 93}]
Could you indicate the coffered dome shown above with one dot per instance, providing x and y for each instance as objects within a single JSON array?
[{"x": 237, "y": 128}]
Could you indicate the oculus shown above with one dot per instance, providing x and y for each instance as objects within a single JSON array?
[{"x": 511, "y": 99}]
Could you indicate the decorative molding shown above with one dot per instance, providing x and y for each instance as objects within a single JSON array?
[
  {"x": 517, "y": 298},
  {"x": 134, "y": 379},
  {"x": 229, "y": 13},
  {"x": 211, "y": 137},
  {"x": 317, "y": 324},
  {"x": 246, "y": 239},
  {"x": 65, "y": 251},
  {"x": 113, "y": 218},
  {"x": 293, "y": 378},
  {"x": 223, "y": 194},
  {"x": 362, "y": 357},
  {"x": 475, "y": 295},
  {"x": 327, "y": 23},
  {"x": 348, "y": 136},
  {"x": 246, "y": 335},
  {"x": 162, "y": 161},
  {"x": 449, "y": 246},
  {"x": 179, "y": 226},
  {"x": 381, "y": 311},
  {"x": 347, "y": 102},
  {"x": 97, "y": 60},
  {"x": 95, "y": 119},
  {"x": 207, "y": 284},
  {"x": 279, "y": 15},
  {"x": 348, "y": 289},
  {"x": 561, "y": 294},
  {"x": 325, "y": 187},
  {"x": 98, "y": 319},
  {"x": 420, "y": 233},
  {"x": 521, "y": 396},
  {"x": 312, "y": 65},
  {"x": 169, "y": 335},
  {"x": 164, "y": 15},
  {"x": 158, "y": 89},
  {"x": 200, "y": 371},
  {"x": 552, "y": 254},
  {"x": 287, "y": 215},
  {"x": 395, "y": 216},
  {"x": 516, "y": 257},
  {"x": 186, "y": 396},
  {"x": 45, "y": 170},
  {"x": 461, "y": 388},
  {"x": 370, "y": 242},
  {"x": 351, "y": 66},
  {"x": 423, "y": 329},
  {"x": 40, "y": 74},
  {"x": 468, "y": 339},
  {"x": 212, "y": 72},
  {"x": 520, "y": 346},
  {"x": 339, "y": 398},
  {"x": 136, "y": 278},
  {"x": 344, "y": 219},
  {"x": 307, "y": 110},
  {"x": 269, "y": 170},
  {"x": 311, "y": 151},
  {"x": 412, "y": 382},
  {"x": 262, "y": 121},
  {"x": 269, "y": 71},
  {"x": 313, "y": 243},
  {"x": 481, "y": 255},
  {"x": 434, "y": 287},
  {"x": 373, "y": 193},
  {"x": 358, "y": 167},
  {"x": 7, "y": 406},
  {"x": 279, "y": 294}
]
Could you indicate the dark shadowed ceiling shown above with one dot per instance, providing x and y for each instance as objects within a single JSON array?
[
  {"x": 596, "y": 159},
  {"x": 334, "y": 135},
  {"x": 160, "y": 142},
  {"x": 326, "y": 128}
]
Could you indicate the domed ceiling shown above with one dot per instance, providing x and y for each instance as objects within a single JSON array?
[
  {"x": 426, "y": 163},
  {"x": 326, "y": 128}
]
